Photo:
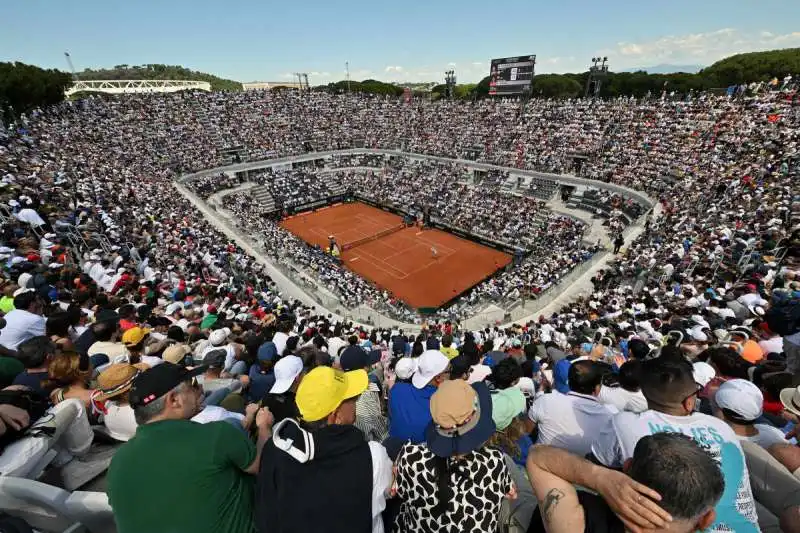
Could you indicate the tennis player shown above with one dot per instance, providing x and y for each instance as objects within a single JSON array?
[{"x": 434, "y": 252}]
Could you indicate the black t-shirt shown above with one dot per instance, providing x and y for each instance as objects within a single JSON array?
[
  {"x": 281, "y": 405},
  {"x": 598, "y": 516}
]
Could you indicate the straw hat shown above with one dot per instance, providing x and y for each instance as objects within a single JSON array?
[{"x": 117, "y": 379}]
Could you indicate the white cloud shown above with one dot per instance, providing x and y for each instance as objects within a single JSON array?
[
  {"x": 451, "y": 64},
  {"x": 479, "y": 63},
  {"x": 393, "y": 69},
  {"x": 704, "y": 48}
]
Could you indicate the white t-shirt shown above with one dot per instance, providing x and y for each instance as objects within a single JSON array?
[
  {"x": 751, "y": 299},
  {"x": 773, "y": 345},
  {"x": 569, "y": 421},
  {"x": 21, "y": 325},
  {"x": 214, "y": 413},
  {"x": 622, "y": 399},
  {"x": 381, "y": 481},
  {"x": 767, "y": 436},
  {"x": 736, "y": 511},
  {"x": 279, "y": 339},
  {"x": 119, "y": 421}
]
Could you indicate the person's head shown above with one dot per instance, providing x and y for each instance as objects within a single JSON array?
[
  {"x": 690, "y": 497},
  {"x": 104, "y": 331},
  {"x": 355, "y": 357},
  {"x": 327, "y": 396},
  {"x": 726, "y": 362},
  {"x": 585, "y": 377},
  {"x": 64, "y": 369},
  {"x": 447, "y": 340},
  {"x": 214, "y": 360},
  {"x": 629, "y": 375},
  {"x": 176, "y": 333},
  {"x": 638, "y": 349},
  {"x": 166, "y": 392},
  {"x": 28, "y": 300},
  {"x": 505, "y": 374},
  {"x": 313, "y": 357},
  {"x": 738, "y": 402},
  {"x": 267, "y": 356},
  {"x": 668, "y": 385},
  {"x": 432, "y": 369},
  {"x": 115, "y": 381},
  {"x": 134, "y": 338},
  {"x": 35, "y": 352},
  {"x": 58, "y": 324}
]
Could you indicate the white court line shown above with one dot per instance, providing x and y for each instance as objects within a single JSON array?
[
  {"x": 405, "y": 275},
  {"x": 379, "y": 267}
]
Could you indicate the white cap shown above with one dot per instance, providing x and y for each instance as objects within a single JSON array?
[
  {"x": 286, "y": 371},
  {"x": 218, "y": 337},
  {"x": 173, "y": 307},
  {"x": 703, "y": 373},
  {"x": 405, "y": 367},
  {"x": 429, "y": 365},
  {"x": 22, "y": 290},
  {"x": 741, "y": 397}
]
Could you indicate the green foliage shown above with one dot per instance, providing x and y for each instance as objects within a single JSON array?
[
  {"x": 366, "y": 86},
  {"x": 754, "y": 66},
  {"x": 159, "y": 72},
  {"x": 555, "y": 86},
  {"x": 26, "y": 87}
]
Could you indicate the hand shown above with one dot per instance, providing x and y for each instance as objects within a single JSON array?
[
  {"x": 264, "y": 419},
  {"x": 794, "y": 433},
  {"x": 634, "y": 503},
  {"x": 251, "y": 409},
  {"x": 14, "y": 417}
]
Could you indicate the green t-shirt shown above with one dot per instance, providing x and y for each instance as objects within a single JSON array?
[{"x": 179, "y": 476}]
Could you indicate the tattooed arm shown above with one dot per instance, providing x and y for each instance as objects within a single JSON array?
[
  {"x": 558, "y": 500},
  {"x": 553, "y": 472}
]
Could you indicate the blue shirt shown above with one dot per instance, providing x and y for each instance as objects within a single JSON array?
[
  {"x": 409, "y": 411},
  {"x": 31, "y": 380}
]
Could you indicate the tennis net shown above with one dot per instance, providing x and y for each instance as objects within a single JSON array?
[{"x": 384, "y": 233}]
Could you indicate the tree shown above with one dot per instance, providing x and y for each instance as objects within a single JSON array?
[
  {"x": 754, "y": 66},
  {"x": 555, "y": 86},
  {"x": 26, "y": 87}
]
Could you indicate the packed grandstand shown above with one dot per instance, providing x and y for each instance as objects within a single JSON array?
[{"x": 146, "y": 351}]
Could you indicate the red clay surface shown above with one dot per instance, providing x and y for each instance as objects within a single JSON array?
[{"x": 401, "y": 262}]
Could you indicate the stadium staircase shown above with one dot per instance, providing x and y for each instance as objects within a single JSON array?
[{"x": 264, "y": 198}]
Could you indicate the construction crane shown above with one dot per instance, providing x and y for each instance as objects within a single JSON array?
[{"x": 71, "y": 66}]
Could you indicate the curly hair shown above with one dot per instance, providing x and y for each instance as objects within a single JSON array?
[{"x": 507, "y": 439}]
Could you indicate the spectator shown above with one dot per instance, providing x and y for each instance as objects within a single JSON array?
[
  {"x": 24, "y": 321},
  {"x": 649, "y": 495},
  {"x": 303, "y": 460},
  {"x": 454, "y": 481},
  {"x": 740, "y": 403},
  {"x": 35, "y": 354},
  {"x": 281, "y": 397},
  {"x": 409, "y": 403},
  {"x": 572, "y": 420},
  {"x": 369, "y": 410},
  {"x": 211, "y": 487},
  {"x": 671, "y": 394}
]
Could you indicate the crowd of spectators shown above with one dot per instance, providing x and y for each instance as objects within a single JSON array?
[{"x": 124, "y": 309}]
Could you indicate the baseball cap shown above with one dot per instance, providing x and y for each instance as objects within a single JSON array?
[
  {"x": 353, "y": 358},
  {"x": 703, "y": 373},
  {"x": 219, "y": 336},
  {"x": 742, "y": 397},
  {"x": 286, "y": 371},
  {"x": 215, "y": 358},
  {"x": 134, "y": 336},
  {"x": 267, "y": 351},
  {"x": 324, "y": 389},
  {"x": 405, "y": 367},
  {"x": 506, "y": 405},
  {"x": 429, "y": 365},
  {"x": 175, "y": 353},
  {"x": 159, "y": 380}
]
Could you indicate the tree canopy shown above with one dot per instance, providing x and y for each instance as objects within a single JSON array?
[
  {"x": 159, "y": 72},
  {"x": 754, "y": 66},
  {"x": 26, "y": 87}
]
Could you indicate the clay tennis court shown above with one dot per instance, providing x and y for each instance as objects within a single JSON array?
[{"x": 402, "y": 261}]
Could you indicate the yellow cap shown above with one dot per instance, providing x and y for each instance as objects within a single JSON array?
[
  {"x": 134, "y": 336},
  {"x": 324, "y": 389}
]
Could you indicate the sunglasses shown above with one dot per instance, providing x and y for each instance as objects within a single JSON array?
[{"x": 695, "y": 393}]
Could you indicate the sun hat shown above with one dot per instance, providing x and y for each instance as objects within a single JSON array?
[
  {"x": 324, "y": 389},
  {"x": 507, "y": 404},
  {"x": 286, "y": 371},
  {"x": 219, "y": 336},
  {"x": 742, "y": 397},
  {"x": 405, "y": 367},
  {"x": 429, "y": 365},
  {"x": 462, "y": 418},
  {"x": 790, "y": 398},
  {"x": 116, "y": 380}
]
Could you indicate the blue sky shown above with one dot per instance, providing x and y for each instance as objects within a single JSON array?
[{"x": 409, "y": 40}]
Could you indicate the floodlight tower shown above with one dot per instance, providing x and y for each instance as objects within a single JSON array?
[
  {"x": 450, "y": 82},
  {"x": 597, "y": 73}
]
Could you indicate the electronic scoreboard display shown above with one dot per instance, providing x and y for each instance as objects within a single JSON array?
[{"x": 511, "y": 76}]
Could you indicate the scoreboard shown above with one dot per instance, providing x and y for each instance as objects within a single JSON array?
[{"x": 511, "y": 76}]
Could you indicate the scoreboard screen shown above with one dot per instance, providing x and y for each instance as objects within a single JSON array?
[{"x": 511, "y": 76}]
